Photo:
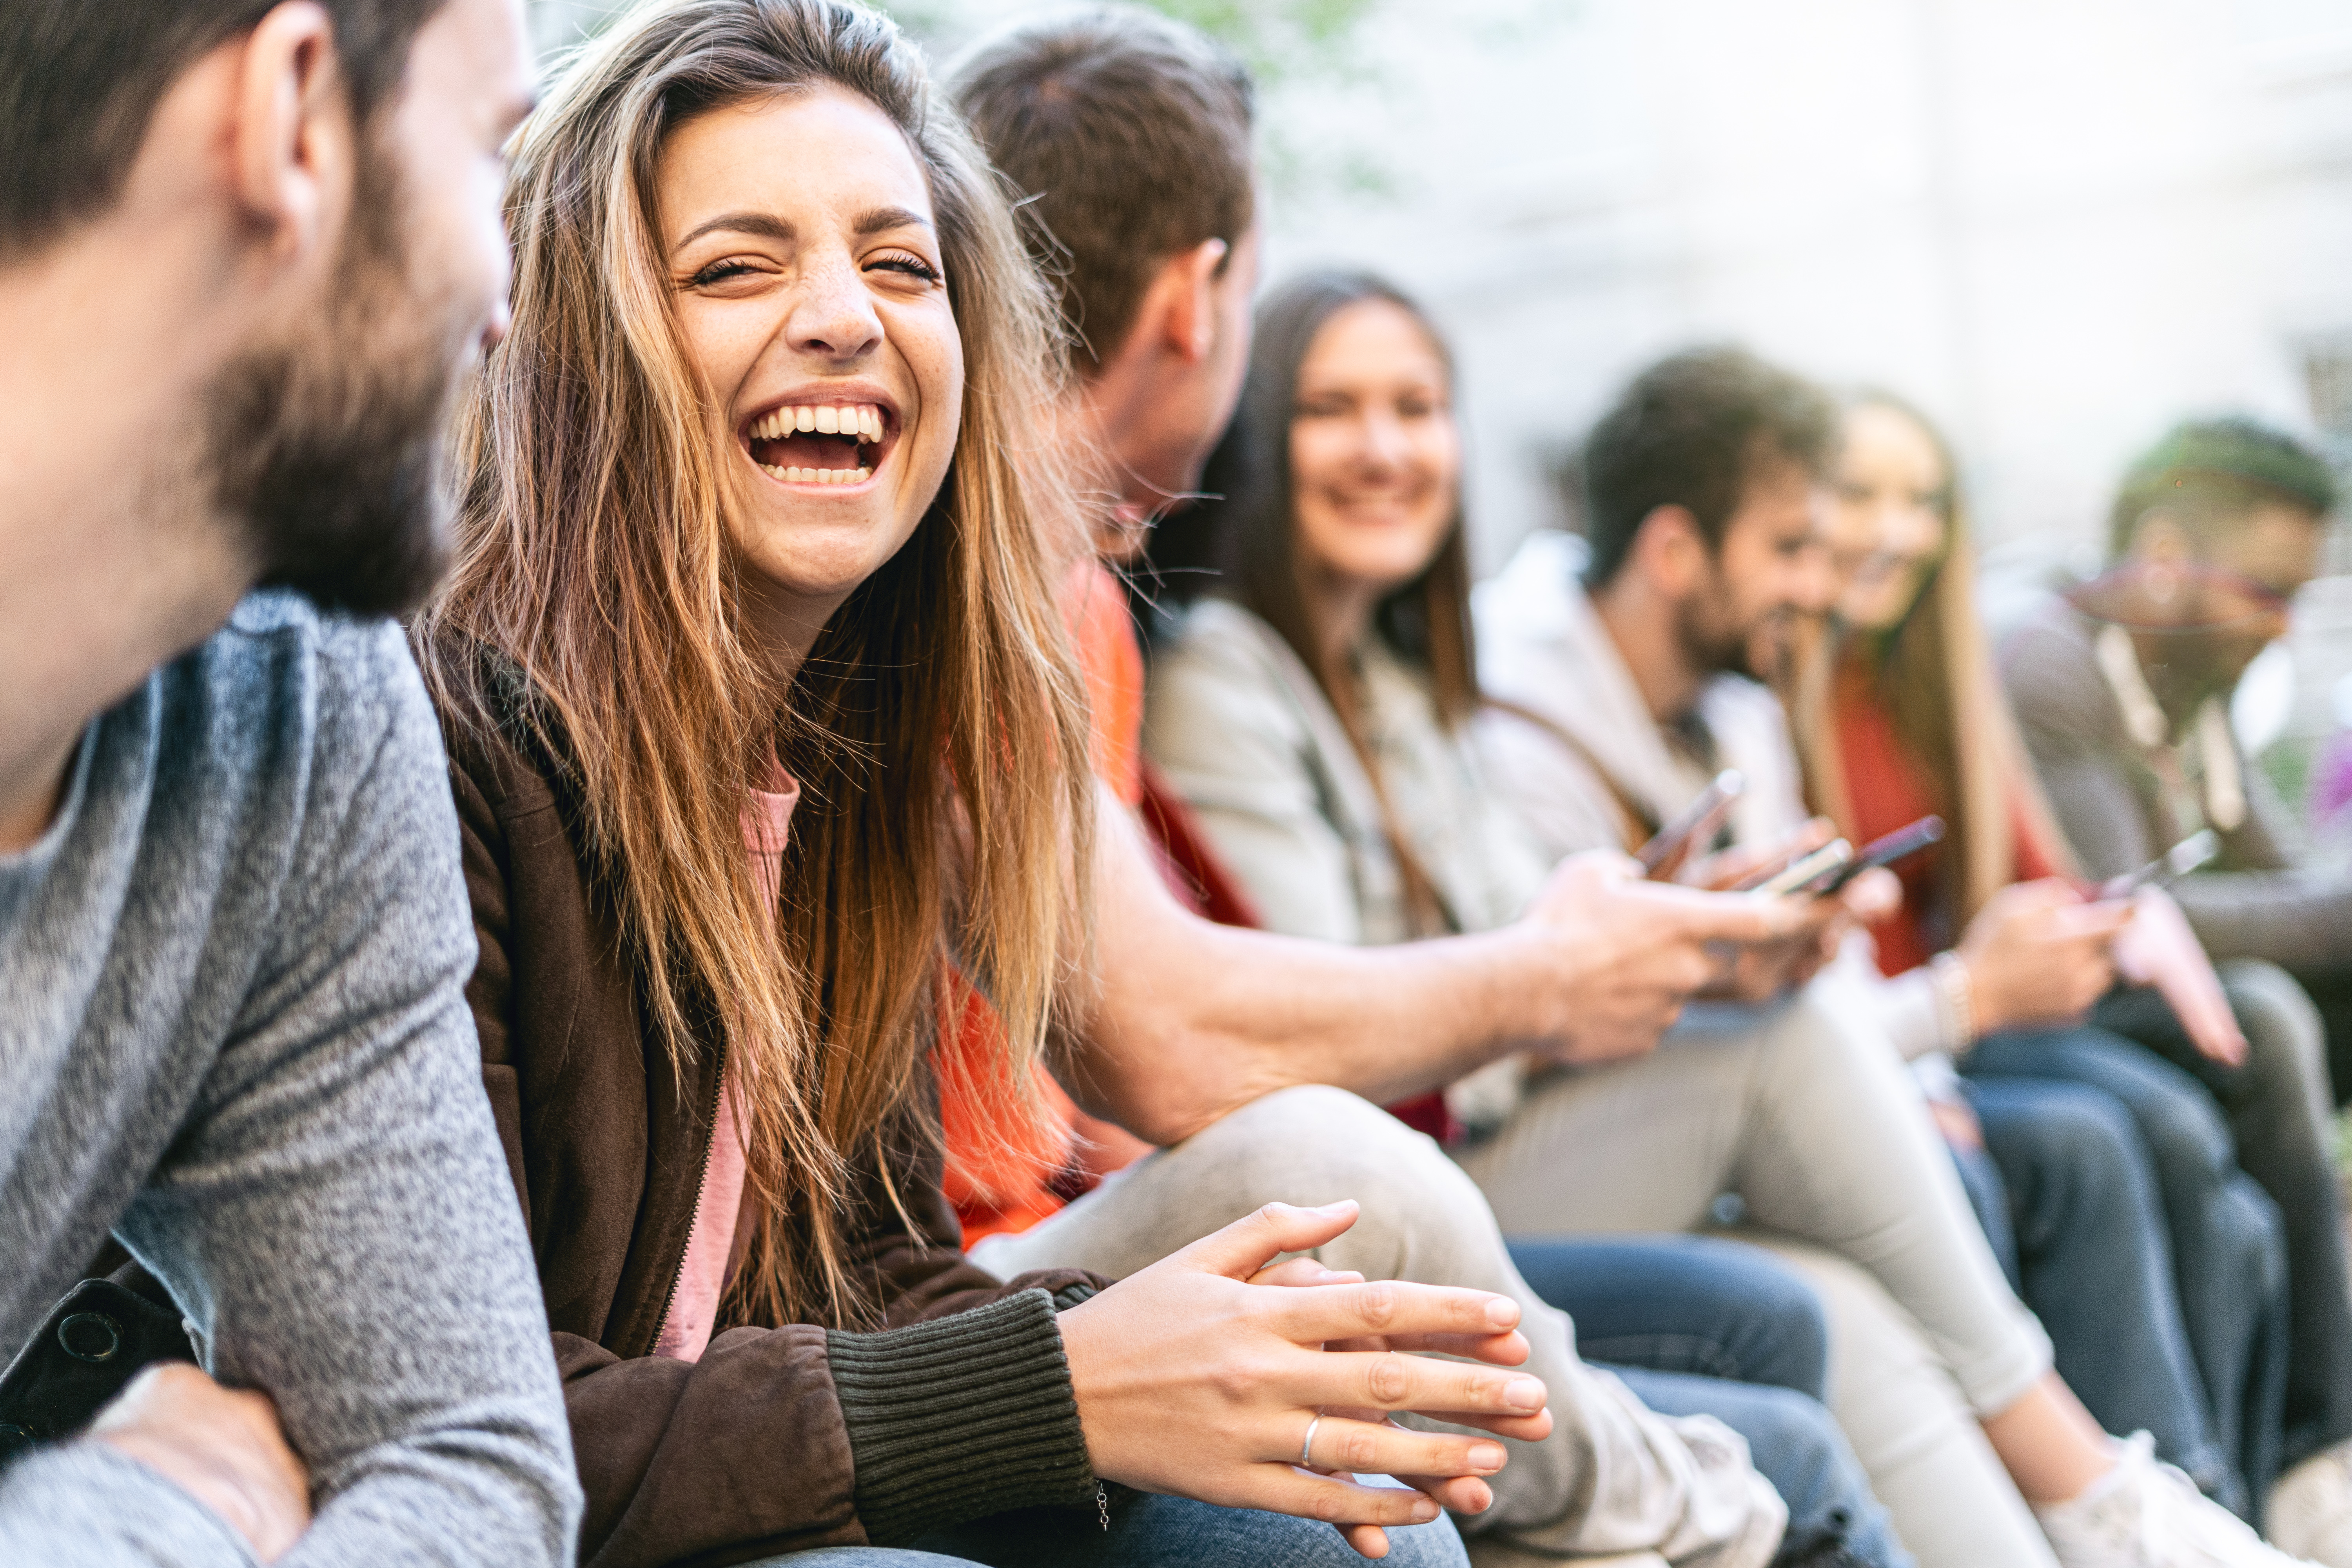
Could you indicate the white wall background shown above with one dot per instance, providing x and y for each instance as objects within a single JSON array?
[{"x": 2057, "y": 223}]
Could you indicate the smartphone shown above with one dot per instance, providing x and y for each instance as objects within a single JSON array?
[
  {"x": 2196, "y": 849},
  {"x": 1699, "y": 816},
  {"x": 1806, "y": 870},
  {"x": 1899, "y": 845}
]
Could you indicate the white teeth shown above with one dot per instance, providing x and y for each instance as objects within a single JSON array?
[
  {"x": 863, "y": 475},
  {"x": 864, "y": 422}
]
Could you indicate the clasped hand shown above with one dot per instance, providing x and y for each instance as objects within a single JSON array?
[
  {"x": 1202, "y": 1375},
  {"x": 221, "y": 1445}
]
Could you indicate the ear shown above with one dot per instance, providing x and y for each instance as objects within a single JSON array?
[
  {"x": 292, "y": 161},
  {"x": 1670, "y": 552},
  {"x": 1188, "y": 322}
]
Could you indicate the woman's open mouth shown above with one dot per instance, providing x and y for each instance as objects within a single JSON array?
[{"x": 821, "y": 442}]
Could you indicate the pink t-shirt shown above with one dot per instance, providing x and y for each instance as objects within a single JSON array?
[{"x": 710, "y": 1245}]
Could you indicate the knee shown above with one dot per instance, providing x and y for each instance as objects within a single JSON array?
[
  {"x": 1323, "y": 1144},
  {"x": 1792, "y": 1437},
  {"x": 1788, "y": 1317},
  {"x": 2184, "y": 1132},
  {"x": 2286, "y": 1041}
]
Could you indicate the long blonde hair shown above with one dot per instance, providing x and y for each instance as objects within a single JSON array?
[
  {"x": 937, "y": 726},
  {"x": 1935, "y": 674}
]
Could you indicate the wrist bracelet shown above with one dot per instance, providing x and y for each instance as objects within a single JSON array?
[{"x": 1958, "y": 993}]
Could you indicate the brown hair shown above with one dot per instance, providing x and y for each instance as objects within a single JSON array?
[
  {"x": 80, "y": 82},
  {"x": 1129, "y": 134},
  {"x": 1247, "y": 541},
  {"x": 937, "y": 726},
  {"x": 1689, "y": 432},
  {"x": 1933, "y": 674}
]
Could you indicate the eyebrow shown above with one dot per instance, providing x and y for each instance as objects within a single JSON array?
[
  {"x": 761, "y": 223},
  {"x": 874, "y": 220}
]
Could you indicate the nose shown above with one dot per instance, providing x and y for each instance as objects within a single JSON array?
[
  {"x": 833, "y": 317},
  {"x": 1384, "y": 443}
]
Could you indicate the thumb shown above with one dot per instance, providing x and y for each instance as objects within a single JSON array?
[
  {"x": 1741, "y": 917},
  {"x": 1247, "y": 1244}
]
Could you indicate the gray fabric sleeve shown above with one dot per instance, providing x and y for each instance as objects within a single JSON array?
[
  {"x": 84, "y": 1503},
  {"x": 337, "y": 1220},
  {"x": 2258, "y": 907}
]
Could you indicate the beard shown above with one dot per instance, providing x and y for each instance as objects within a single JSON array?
[
  {"x": 326, "y": 449},
  {"x": 1710, "y": 643}
]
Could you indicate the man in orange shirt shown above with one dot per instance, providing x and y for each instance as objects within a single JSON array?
[{"x": 1158, "y": 284}]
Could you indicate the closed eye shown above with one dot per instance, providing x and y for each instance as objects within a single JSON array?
[
  {"x": 912, "y": 265},
  {"x": 719, "y": 272}
]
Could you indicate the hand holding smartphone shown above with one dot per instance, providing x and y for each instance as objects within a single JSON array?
[
  {"x": 1693, "y": 824},
  {"x": 1900, "y": 845},
  {"x": 2199, "y": 849}
]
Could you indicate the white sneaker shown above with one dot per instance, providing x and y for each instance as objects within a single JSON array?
[
  {"x": 2143, "y": 1514},
  {"x": 2310, "y": 1509}
]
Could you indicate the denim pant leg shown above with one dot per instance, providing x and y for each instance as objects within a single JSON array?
[
  {"x": 2097, "y": 1267},
  {"x": 2228, "y": 1246},
  {"x": 1683, "y": 1303},
  {"x": 1151, "y": 1532},
  {"x": 2278, "y": 1143},
  {"x": 861, "y": 1557},
  {"x": 1792, "y": 1439},
  {"x": 1988, "y": 1195}
]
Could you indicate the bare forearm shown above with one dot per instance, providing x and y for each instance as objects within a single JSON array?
[{"x": 1192, "y": 1020}]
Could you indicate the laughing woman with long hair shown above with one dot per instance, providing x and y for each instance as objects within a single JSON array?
[{"x": 766, "y": 742}]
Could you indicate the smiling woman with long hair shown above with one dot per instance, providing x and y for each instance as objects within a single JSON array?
[{"x": 769, "y": 753}]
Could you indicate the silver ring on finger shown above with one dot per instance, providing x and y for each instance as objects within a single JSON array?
[{"x": 1307, "y": 1448}]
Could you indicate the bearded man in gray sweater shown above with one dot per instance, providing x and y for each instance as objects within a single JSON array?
[{"x": 245, "y": 249}]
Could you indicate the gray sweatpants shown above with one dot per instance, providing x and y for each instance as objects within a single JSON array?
[
  {"x": 1612, "y": 1477},
  {"x": 1806, "y": 1114}
]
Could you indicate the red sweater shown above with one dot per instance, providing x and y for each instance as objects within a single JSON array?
[{"x": 1889, "y": 788}]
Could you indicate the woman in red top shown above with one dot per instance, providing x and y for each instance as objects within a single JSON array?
[{"x": 1996, "y": 958}]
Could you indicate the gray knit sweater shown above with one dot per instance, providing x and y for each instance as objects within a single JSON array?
[{"x": 234, "y": 1031}]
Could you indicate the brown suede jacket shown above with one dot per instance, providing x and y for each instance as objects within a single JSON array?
[{"x": 782, "y": 1437}]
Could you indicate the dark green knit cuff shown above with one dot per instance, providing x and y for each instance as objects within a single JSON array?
[{"x": 961, "y": 1417}]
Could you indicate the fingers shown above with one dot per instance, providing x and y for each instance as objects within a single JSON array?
[
  {"x": 1395, "y": 1380},
  {"x": 1340, "y": 1443},
  {"x": 1303, "y": 1271},
  {"x": 1495, "y": 1350},
  {"x": 1459, "y": 1494},
  {"x": 1334, "y": 1500},
  {"x": 2090, "y": 922},
  {"x": 1250, "y": 1243},
  {"x": 1365, "y": 1540},
  {"x": 1389, "y": 1308}
]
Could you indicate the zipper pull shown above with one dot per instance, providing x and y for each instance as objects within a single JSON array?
[{"x": 1102, "y": 1505}]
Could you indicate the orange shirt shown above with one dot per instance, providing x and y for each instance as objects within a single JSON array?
[{"x": 998, "y": 1184}]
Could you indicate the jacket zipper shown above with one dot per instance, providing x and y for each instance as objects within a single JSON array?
[{"x": 709, "y": 1141}]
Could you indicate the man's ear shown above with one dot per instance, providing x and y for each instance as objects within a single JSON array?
[
  {"x": 1188, "y": 322},
  {"x": 1670, "y": 552},
  {"x": 291, "y": 153}
]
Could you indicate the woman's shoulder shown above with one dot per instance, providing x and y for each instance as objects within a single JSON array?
[
  {"x": 1221, "y": 653},
  {"x": 503, "y": 734}
]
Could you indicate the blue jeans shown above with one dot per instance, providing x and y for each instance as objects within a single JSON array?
[
  {"x": 2270, "y": 1137},
  {"x": 2064, "y": 1189},
  {"x": 1697, "y": 1326},
  {"x": 2227, "y": 1242},
  {"x": 1151, "y": 1532}
]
